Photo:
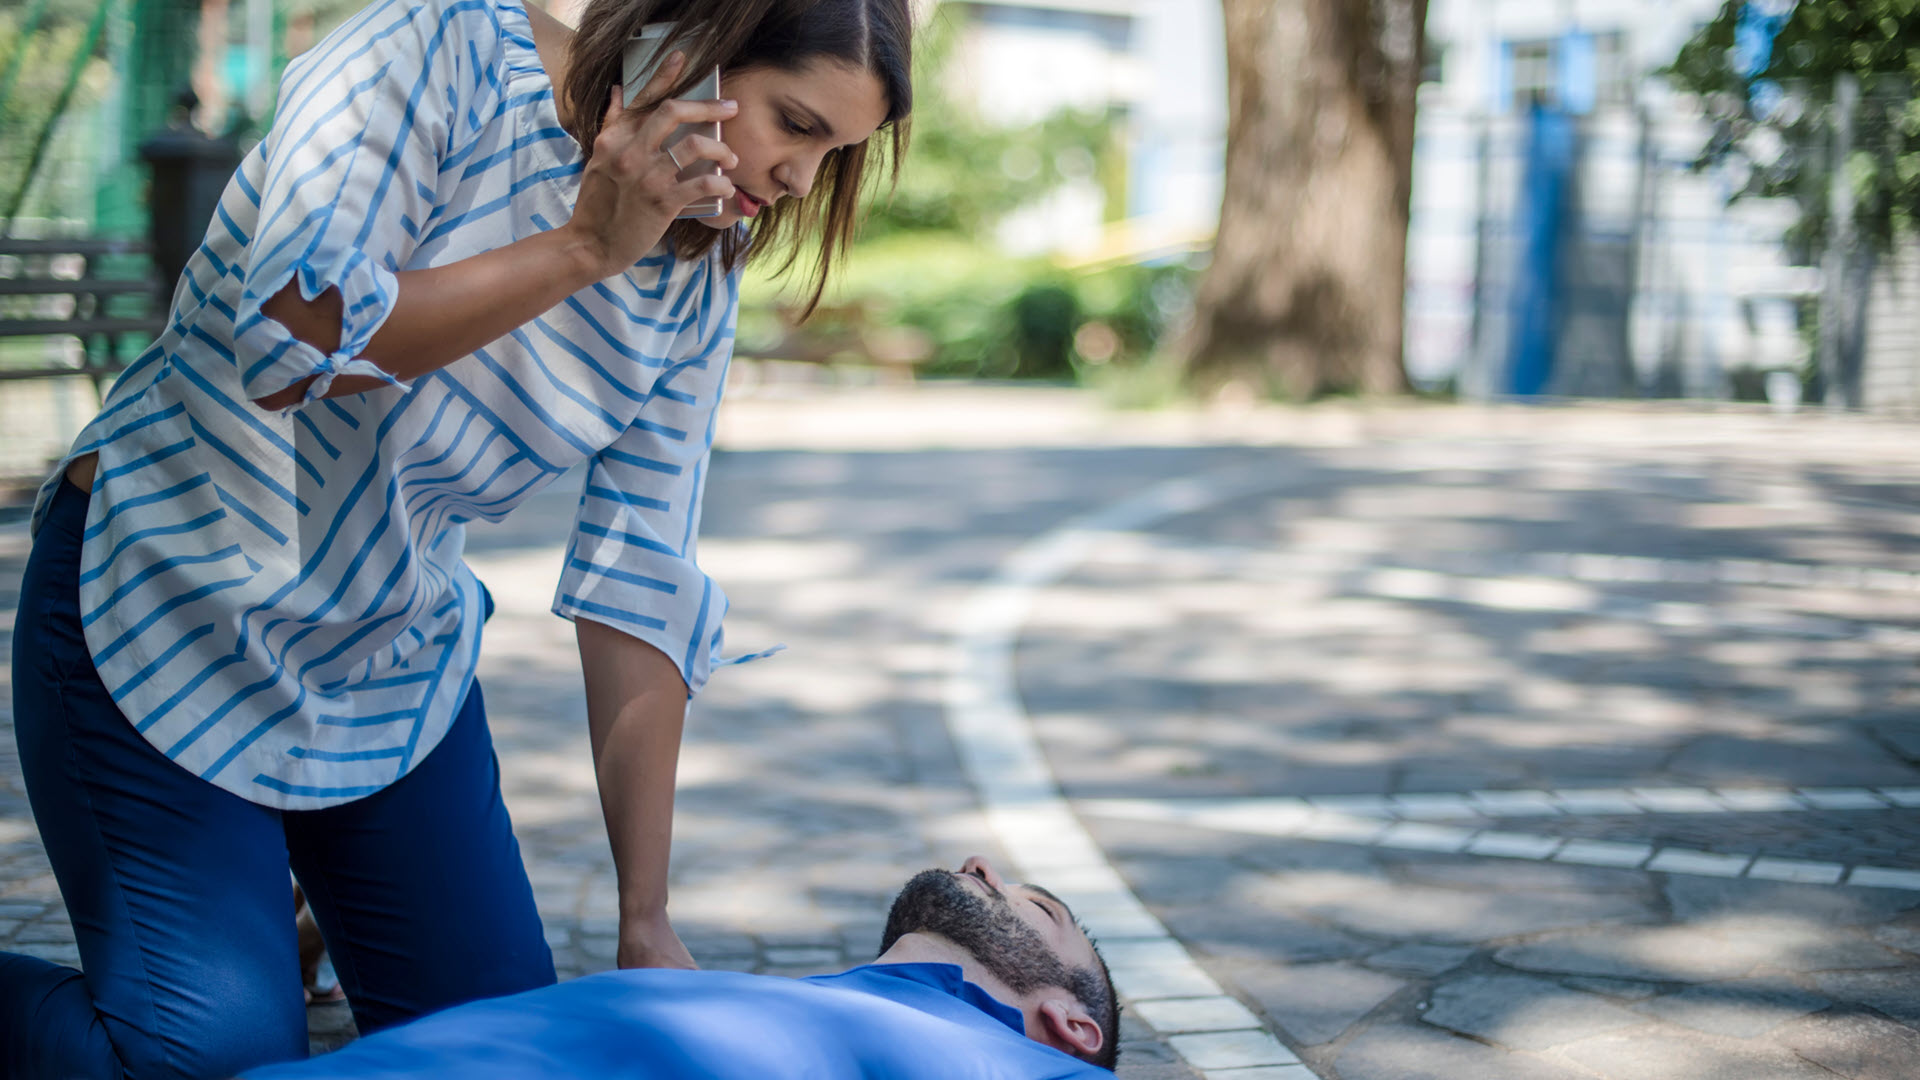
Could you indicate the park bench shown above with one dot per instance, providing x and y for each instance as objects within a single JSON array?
[
  {"x": 68, "y": 287},
  {"x": 55, "y": 287}
]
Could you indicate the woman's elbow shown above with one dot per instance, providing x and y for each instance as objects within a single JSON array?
[{"x": 315, "y": 321}]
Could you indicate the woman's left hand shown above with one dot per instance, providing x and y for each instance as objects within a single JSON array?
[
  {"x": 652, "y": 943},
  {"x": 632, "y": 188}
]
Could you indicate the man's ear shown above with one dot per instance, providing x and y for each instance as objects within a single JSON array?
[{"x": 1068, "y": 1026}]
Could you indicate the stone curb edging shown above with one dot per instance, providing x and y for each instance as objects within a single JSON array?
[
  {"x": 1405, "y": 822},
  {"x": 1024, "y": 806}
]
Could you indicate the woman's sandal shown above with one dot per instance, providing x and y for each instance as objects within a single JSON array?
[{"x": 316, "y": 969}]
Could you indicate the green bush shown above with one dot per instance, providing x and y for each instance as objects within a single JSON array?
[
  {"x": 1036, "y": 321},
  {"x": 991, "y": 316},
  {"x": 1045, "y": 316}
]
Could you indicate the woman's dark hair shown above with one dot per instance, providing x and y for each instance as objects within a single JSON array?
[{"x": 735, "y": 35}]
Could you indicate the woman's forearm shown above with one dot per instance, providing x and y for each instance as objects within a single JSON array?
[
  {"x": 636, "y": 708},
  {"x": 442, "y": 313},
  {"x": 630, "y": 194}
]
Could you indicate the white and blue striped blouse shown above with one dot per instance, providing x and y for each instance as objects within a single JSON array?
[{"x": 278, "y": 603}]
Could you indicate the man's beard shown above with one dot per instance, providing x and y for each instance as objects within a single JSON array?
[{"x": 938, "y": 902}]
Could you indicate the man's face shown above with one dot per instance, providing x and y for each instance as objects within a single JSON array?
[{"x": 1020, "y": 933}]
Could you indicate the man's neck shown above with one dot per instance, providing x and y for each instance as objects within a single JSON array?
[
  {"x": 923, "y": 948},
  {"x": 934, "y": 949}
]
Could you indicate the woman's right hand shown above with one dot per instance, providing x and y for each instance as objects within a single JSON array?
[
  {"x": 631, "y": 189},
  {"x": 651, "y": 943}
]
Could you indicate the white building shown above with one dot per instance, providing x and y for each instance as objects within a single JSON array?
[
  {"x": 1656, "y": 284},
  {"x": 1157, "y": 66}
]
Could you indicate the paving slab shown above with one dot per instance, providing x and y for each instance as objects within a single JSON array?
[
  {"x": 1895, "y": 993},
  {"x": 1154, "y": 1060},
  {"x": 329, "y": 1026},
  {"x": 1842, "y": 758},
  {"x": 1884, "y": 877},
  {"x": 1687, "y": 861},
  {"x": 1741, "y": 1009},
  {"x": 1707, "y": 900},
  {"x": 1799, "y": 870},
  {"x": 1183, "y": 1015},
  {"x": 1793, "y": 943},
  {"x": 59, "y": 953},
  {"x": 1659, "y": 954},
  {"x": 1313, "y": 1003},
  {"x": 1859, "y": 1046},
  {"x": 1624, "y": 989},
  {"x": 1410, "y": 910},
  {"x": 1232, "y": 1050},
  {"x": 1516, "y": 876},
  {"x": 1670, "y": 1057},
  {"x": 1603, "y": 853},
  {"x": 1250, "y": 931},
  {"x": 1521, "y": 1012},
  {"x": 1902, "y": 933},
  {"x": 1419, "y": 959},
  {"x": 1411, "y": 1052}
]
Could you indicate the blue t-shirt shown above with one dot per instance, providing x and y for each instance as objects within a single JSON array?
[{"x": 886, "y": 1021}]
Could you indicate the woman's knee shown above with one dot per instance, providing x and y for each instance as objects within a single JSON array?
[
  {"x": 214, "y": 1030},
  {"x": 51, "y": 1026},
  {"x": 48, "y": 1025}
]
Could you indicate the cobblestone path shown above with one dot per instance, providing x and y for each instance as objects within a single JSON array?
[{"x": 1447, "y": 743}]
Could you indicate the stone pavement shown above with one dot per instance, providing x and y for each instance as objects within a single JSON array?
[
  {"x": 1466, "y": 743},
  {"x": 1517, "y": 755}
]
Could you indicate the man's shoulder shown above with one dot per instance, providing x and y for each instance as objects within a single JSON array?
[
  {"x": 657, "y": 1023},
  {"x": 898, "y": 1020}
]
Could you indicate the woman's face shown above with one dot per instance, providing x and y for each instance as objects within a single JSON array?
[{"x": 788, "y": 121}]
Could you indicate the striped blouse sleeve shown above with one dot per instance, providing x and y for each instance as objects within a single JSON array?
[
  {"x": 367, "y": 120},
  {"x": 631, "y": 563}
]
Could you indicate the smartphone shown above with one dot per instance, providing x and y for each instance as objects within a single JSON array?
[{"x": 643, "y": 57}]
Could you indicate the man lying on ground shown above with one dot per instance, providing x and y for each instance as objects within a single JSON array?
[{"x": 976, "y": 978}]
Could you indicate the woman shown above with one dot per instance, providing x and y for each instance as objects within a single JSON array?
[{"x": 246, "y": 636}]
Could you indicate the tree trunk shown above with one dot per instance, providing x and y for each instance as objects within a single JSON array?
[{"x": 1304, "y": 296}]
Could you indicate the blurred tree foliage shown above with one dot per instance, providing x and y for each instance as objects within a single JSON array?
[
  {"x": 1775, "y": 120},
  {"x": 326, "y": 14},
  {"x": 962, "y": 174},
  {"x": 44, "y": 58},
  {"x": 929, "y": 257}
]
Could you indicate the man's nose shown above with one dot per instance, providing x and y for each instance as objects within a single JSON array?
[{"x": 977, "y": 864}]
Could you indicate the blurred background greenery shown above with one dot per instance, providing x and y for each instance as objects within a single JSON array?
[
  {"x": 928, "y": 289},
  {"x": 1159, "y": 199},
  {"x": 928, "y": 284}
]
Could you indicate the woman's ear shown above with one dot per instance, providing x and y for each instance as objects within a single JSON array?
[{"x": 1068, "y": 1026}]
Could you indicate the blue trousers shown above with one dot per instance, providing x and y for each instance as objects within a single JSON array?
[{"x": 178, "y": 890}]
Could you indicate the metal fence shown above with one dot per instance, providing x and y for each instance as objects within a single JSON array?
[{"x": 1553, "y": 254}]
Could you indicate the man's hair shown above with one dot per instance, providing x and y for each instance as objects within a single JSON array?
[
  {"x": 1093, "y": 987},
  {"x": 933, "y": 901}
]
